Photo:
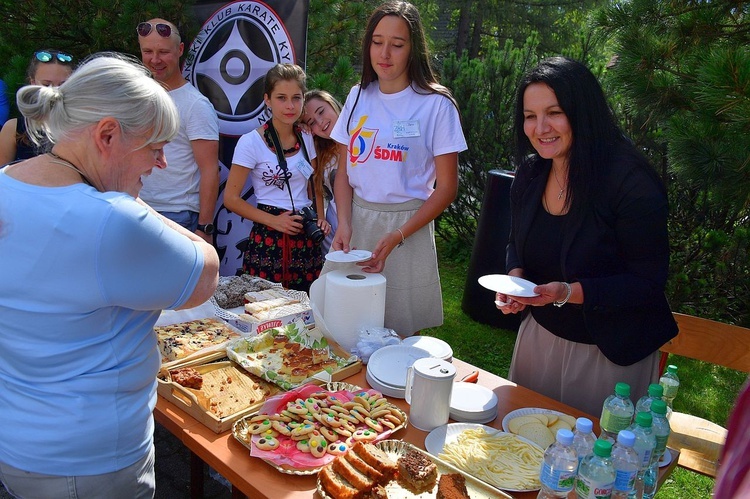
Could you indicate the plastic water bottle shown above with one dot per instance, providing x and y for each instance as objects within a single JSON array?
[
  {"x": 661, "y": 427},
  {"x": 559, "y": 467},
  {"x": 583, "y": 438},
  {"x": 617, "y": 412},
  {"x": 645, "y": 443},
  {"x": 671, "y": 383},
  {"x": 626, "y": 463},
  {"x": 650, "y": 480},
  {"x": 655, "y": 391},
  {"x": 596, "y": 477}
]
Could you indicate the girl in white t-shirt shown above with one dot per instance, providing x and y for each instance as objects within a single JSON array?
[
  {"x": 284, "y": 245},
  {"x": 320, "y": 116},
  {"x": 400, "y": 136}
]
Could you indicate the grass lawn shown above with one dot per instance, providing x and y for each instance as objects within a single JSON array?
[{"x": 706, "y": 390}]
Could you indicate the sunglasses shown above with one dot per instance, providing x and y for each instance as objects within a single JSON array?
[
  {"x": 49, "y": 55},
  {"x": 164, "y": 30}
]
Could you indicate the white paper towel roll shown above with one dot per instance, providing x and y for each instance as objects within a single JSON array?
[{"x": 353, "y": 300}]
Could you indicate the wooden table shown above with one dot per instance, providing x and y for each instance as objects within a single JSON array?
[{"x": 256, "y": 479}]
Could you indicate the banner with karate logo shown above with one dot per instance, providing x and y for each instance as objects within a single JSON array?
[{"x": 227, "y": 62}]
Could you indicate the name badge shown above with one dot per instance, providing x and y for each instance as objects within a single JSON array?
[
  {"x": 405, "y": 128},
  {"x": 304, "y": 168}
]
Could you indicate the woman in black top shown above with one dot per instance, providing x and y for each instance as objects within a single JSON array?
[{"x": 589, "y": 226}]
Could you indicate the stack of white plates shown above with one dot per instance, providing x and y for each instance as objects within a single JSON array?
[
  {"x": 437, "y": 347},
  {"x": 388, "y": 366},
  {"x": 472, "y": 403}
]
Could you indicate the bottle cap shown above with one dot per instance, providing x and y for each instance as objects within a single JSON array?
[
  {"x": 626, "y": 438},
  {"x": 584, "y": 425},
  {"x": 644, "y": 418},
  {"x": 564, "y": 436},
  {"x": 622, "y": 389},
  {"x": 603, "y": 448},
  {"x": 659, "y": 407},
  {"x": 655, "y": 390},
  {"x": 671, "y": 368}
]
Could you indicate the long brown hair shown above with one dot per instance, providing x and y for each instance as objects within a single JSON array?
[{"x": 326, "y": 149}]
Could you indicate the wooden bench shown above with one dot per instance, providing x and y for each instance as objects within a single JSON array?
[{"x": 699, "y": 440}]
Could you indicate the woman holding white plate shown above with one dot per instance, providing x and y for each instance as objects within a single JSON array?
[{"x": 589, "y": 226}]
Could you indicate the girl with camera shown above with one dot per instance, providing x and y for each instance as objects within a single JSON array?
[{"x": 283, "y": 245}]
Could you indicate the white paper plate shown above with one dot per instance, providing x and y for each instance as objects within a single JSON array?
[
  {"x": 353, "y": 256},
  {"x": 437, "y": 347},
  {"x": 472, "y": 403},
  {"x": 527, "y": 411},
  {"x": 390, "y": 363},
  {"x": 508, "y": 284},
  {"x": 446, "y": 434},
  {"x": 388, "y": 391}
]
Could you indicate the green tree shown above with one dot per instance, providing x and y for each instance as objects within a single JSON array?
[
  {"x": 683, "y": 68},
  {"x": 485, "y": 92}
]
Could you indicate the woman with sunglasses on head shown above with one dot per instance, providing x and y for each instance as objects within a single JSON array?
[
  {"x": 87, "y": 269},
  {"x": 283, "y": 245},
  {"x": 400, "y": 135},
  {"x": 321, "y": 113},
  {"x": 49, "y": 68}
]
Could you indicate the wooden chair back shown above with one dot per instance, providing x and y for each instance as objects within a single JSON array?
[{"x": 698, "y": 440}]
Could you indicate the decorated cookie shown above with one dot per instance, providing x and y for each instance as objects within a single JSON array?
[
  {"x": 267, "y": 443},
  {"x": 329, "y": 434},
  {"x": 281, "y": 427},
  {"x": 304, "y": 445},
  {"x": 337, "y": 448},
  {"x": 258, "y": 428},
  {"x": 362, "y": 435},
  {"x": 318, "y": 446},
  {"x": 374, "y": 425}
]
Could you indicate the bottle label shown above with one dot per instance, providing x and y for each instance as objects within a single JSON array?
[
  {"x": 661, "y": 444},
  {"x": 613, "y": 423},
  {"x": 588, "y": 489},
  {"x": 646, "y": 458},
  {"x": 557, "y": 479},
  {"x": 625, "y": 480}
]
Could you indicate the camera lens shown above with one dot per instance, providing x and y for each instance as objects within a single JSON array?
[{"x": 310, "y": 224}]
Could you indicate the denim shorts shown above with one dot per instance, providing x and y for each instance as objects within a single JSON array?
[{"x": 186, "y": 218}]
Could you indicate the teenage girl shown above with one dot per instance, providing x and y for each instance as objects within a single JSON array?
[
  {"x": 321, "y": 113},
  {"x": 49, "y": 68},
  {"x": 400, "y": 136},
  {"x": 279, "y": 249}
]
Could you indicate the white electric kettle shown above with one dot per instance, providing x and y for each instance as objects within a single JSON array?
[{"x": 429, "y": 384}]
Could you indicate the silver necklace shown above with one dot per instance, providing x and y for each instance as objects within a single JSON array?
[
  {"x": 64, "y": 162},
  {"x": 559, "y": 196}
]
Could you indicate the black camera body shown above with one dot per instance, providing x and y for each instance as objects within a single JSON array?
[{"x": 310, "y": 224}]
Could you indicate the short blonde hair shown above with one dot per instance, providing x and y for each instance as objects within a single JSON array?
[{"x": 105, "y": 85}]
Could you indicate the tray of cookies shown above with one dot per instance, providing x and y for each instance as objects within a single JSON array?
[
  {"x": 217, "y": 393},
  {"x": 300, "y": 431},
  {"x": 397, "y": 470}
]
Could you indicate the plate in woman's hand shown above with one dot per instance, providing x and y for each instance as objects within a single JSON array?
[{"x": 508, "y": 284}]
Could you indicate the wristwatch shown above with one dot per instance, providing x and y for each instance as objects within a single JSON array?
[{"x": 207, "y": 229}]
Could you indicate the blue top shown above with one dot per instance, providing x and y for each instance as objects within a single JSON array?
[
  {"x": 4, "y": 103},
  {"x": 84, "y": 276}
]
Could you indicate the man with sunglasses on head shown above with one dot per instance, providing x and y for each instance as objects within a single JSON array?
[{"x": 187, "y": 189}]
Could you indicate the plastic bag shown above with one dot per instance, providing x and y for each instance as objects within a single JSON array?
[{"x": 373, "y": 338}]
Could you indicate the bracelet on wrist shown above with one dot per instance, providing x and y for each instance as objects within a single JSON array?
[
  {"x": 568, "y": 292},
  {"x": 403, "y": 239}
]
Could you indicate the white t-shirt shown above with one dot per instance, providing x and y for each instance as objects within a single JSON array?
[
  {"x": 266, "y": 175},
  {"x": 176, "y": 188},
  {"x": 392, "y": 141}
]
